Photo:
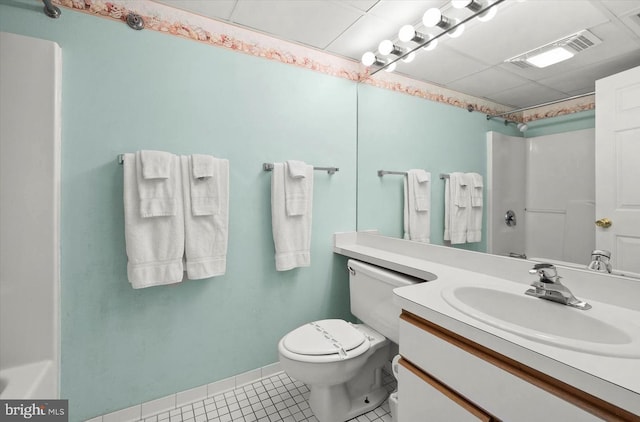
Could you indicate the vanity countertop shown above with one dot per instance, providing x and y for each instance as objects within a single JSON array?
[{"x": 614, "y": 379}]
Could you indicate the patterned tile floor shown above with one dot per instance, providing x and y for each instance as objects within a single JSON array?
[{"x": 273, "y": 399}]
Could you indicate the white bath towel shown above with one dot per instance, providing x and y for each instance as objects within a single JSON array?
[
  {"x": 291, "y": 233},
  {"x": 206, "y": 215},
  {"x": 474, "y": 226},
  {"x": 456, "y": 208},
  {"x": 296, "y": 187},
  {"x": 417, "y": 199},
  {"x": 155, "y": 245},
  {"x": 156, "y": 183}
]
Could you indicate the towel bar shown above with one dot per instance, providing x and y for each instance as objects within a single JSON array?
[
  {"x": 329, "y": 170},
  {"x": 383, "y": 172}
]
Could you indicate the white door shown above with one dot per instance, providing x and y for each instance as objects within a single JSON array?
[{"x": 618, "y": 168}]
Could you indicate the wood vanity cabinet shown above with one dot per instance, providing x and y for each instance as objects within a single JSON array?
[{"x": 443, "y": 376}]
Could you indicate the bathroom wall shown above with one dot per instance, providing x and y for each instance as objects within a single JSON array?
[{"x": 123, "y": 91}]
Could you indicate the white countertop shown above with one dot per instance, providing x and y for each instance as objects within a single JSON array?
[{"x": 614, "y": 379}]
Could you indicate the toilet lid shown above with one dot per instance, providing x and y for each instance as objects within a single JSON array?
[{"x": 325, "y": 337}]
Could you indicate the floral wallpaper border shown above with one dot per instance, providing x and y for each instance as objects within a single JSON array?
[{"x": 165, "y": 19}]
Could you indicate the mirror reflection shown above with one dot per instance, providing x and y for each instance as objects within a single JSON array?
[{"x": 539, "y": 164}]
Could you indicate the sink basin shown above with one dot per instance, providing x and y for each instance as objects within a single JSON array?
[{"x": 604, "y": 330}]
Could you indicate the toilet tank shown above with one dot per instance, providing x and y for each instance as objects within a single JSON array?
[{"x": 371, "y": 293}]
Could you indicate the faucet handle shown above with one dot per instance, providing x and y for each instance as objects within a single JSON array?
[{"x": 546, "y": 272}]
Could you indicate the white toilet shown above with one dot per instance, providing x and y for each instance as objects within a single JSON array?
[{"x": 340, "y": 362}]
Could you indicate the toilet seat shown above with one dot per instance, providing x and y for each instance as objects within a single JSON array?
[{"x": 328, "y": 340}]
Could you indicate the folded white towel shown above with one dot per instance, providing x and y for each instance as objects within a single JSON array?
[
  {"x": 155, "y": 246},
  {"x": 203, "y": 166},
  {"x": 456, "y": 209},
  {"x": 296, "y": 187},
  {"x": 297, "y": 169},
  {"x": 291, "y": 233},
  {"x": 421, "y": 189},
  {"x": 157, "y": 195},
  {"x": 474, "y": 226},
  {"x": 417, "y": 198},
  {"x": 206, "y": 217},
  {"x": 205, "y": 178},
  {"x": 476, "y": 185},
  {"x": 156, "y": 164}
]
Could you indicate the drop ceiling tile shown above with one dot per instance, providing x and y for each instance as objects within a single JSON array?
[
  {"x": 620, "y": 7},
  {"x": 404, "y": 12},
  {"x": 440, "y": 66},
  {"x": 313, "y": 22},
  {"x": 583, "y": 79},
  {"x": 363, "y": 35},
  {"x": 527, "y": 95},
  {"x": 487, "y": 82},
  {"x": 219, "y": 9},
  {"x": 363, "y": 5}
]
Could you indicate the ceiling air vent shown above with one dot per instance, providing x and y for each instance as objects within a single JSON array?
[{"x": 575, "y": 43}]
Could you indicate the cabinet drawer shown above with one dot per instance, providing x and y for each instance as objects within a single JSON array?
[
  {"x": 498, "y": 391},
  {"x": 422, "y": 398}
]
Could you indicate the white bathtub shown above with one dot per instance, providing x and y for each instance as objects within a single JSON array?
[{"x": 32, "y": 381}]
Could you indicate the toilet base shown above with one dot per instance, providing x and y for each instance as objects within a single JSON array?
[{"x": 334, "y": 404}]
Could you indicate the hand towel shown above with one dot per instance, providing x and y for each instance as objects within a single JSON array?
[
  {"x": 206, "y": 215},
  {"x": 156, "y": 164},
  {"x": 154, "y": 246},
  {"x": 296, "y": 187},
  {"x": 456, "y": 209},
  {"x": 203, "y": 166},
  {"x": 156, "y": 176},
  {"x": 474, "y": 226},
  {"x": 417, "y": 198},
  {"x": 291, "y": 233},
  {"x": 204, "y": 184}
]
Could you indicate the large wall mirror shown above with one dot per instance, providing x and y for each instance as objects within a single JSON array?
[{"x": 399, "y": 130}]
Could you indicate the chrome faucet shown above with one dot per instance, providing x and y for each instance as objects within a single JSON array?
[
  {"x": 549, "y": 287},
  {"x": 600, "y": 261}
]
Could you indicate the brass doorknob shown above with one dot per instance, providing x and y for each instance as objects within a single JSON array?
[{"x": 604, "y": 223}]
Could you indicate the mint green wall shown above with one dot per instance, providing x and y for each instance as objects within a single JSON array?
[
  {"x": 399, "y": 132},
  {"x": 125, "y": 90},
  {"x": 561, "y": 124}
]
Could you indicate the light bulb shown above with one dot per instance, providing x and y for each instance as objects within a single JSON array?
[
  {"x": 458, "y": 31},
  {"x": 460, "y": 4},
  {"x": 409, "y": 57},
  {"x": 390, "y": 68},
  {"x": 386, "y": 47},
  {"x": 489, "y": 14},
  {"x": 368, "y": 58},
  {"x": 431, "y": 45},
  {"x": 406, "y": 33},
  {"x": 432, "y": 17}
]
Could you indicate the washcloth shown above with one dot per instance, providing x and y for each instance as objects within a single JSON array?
[
  {"x": 474, "y": 226},
  {"x": 204, "y": 180},
  {"x": 203, "y": 166},
  {"x": 455, "y": 208},
  {"x": 296, "y": 187},
  {"x": 206, "y": 215},
  {"x": 154, "y": 246},
  {"x": 417, "y": 198},
  {"x": 291, "y": 233},
  {"x": 156, "y": 176},
  {"x": 156, "y": 164}
]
